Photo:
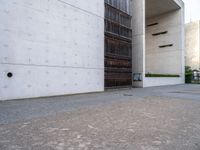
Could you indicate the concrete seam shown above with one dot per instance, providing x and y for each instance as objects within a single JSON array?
[
  {"x": 54, "y": 66},
  {"x": 80, "y": 9}
]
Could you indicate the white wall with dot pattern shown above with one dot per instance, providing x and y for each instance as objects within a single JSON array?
[{"x": 51, "y": 47}]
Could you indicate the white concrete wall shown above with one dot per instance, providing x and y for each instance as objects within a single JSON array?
[
  {"x": 192, "y": 44},
  {"x": 52, "y": 47},
  {"x": 169, "y": 60},
  {"x": 164, "y": 60},
  {"x": 149, "y": 82}
]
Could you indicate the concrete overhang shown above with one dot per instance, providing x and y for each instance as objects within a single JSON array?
[{"x": 158, "y": 7}]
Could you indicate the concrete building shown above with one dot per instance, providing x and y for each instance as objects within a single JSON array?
[
  {"x": 192, "y": 44},
  {"x": 56, "y": 47},
  {"x": 158, "y": 41}
]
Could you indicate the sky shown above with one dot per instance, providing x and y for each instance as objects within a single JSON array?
[{"x": 192, "y": 10}]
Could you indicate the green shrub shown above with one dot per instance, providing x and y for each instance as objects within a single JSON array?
[
  {"x": 188, "y": 74},
  {"x": 162, "y": 75}
]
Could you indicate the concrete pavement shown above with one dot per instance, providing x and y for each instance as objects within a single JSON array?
[{"x": 155, "y": 118}]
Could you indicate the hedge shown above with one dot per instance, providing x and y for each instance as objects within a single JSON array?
[{"x": 162, "y": 75}]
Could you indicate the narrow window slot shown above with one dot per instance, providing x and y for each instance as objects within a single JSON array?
[
  {"x": 163, "y": 46},
  {"x": 153, "y": 24},
  {"x": 160, "y": 33}
]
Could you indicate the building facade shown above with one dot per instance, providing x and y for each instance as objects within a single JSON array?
[
  {"x": 192, "y": 45},
  {"x": 158, "y": 42},
  {"x": 59, "y": 47}
]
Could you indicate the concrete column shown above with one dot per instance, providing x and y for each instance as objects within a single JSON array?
[{"x": 138, "y": 44}]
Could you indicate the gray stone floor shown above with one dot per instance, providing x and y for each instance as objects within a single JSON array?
[{"x": 158, "y": 118}]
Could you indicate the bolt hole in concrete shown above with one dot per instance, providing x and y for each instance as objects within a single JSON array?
[{"x": 9, "y": 74}]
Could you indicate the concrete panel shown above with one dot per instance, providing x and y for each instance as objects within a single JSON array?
[
  {"x": 149, "y": 82},
  {"x": 157, "y": 7},
  {"x": 53, "y": 36},
  {"x": 166, "y": 60},
  {"x": 29, "y": 81},
  {"x": 166, "y": 63},
  {"x": 138, "y": 17}
]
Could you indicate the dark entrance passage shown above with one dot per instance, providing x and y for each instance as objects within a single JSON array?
[{"x": 118, "y": 44}]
